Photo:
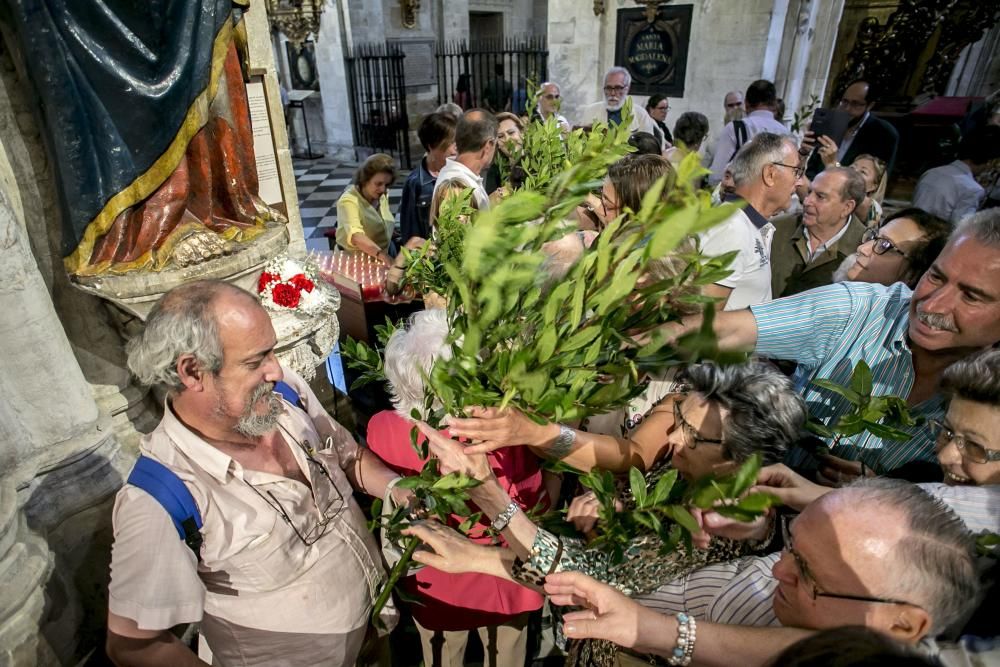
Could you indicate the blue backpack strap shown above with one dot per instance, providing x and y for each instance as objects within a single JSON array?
[
  {"x": 289, "y": 394},
  {"x": 167, "y": 488}
]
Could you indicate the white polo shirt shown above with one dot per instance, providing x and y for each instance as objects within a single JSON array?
[{"x": 750, "y": 279}]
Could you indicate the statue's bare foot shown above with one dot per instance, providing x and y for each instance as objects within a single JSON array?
[{"x": 199, "y": 247}]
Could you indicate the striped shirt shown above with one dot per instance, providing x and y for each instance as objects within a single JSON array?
[
  {"x": 740, "y": 592},
  {"x": 827, "y": 331}
]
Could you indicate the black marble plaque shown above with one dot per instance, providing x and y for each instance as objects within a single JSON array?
[{"x": 655, "y": 53}]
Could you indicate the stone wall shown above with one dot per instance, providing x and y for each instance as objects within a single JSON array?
[
  {"x": 70, "y": 420},
  {"x": 732, "y": 44}
]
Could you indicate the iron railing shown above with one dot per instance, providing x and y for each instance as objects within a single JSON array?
[
  {"x": 377, "y": 86},
  {"x": 491, "y": 73}
]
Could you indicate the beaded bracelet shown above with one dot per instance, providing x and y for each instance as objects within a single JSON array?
[{"x": 684, "y": 649}]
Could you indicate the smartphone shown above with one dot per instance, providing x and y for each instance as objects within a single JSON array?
[{"x": 831, "y": 123}]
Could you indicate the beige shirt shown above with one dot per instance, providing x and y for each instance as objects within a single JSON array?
[{"x": 255, "y": 572}]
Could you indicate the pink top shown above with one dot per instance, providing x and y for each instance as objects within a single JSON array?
[{"x": 462, "y": 601}]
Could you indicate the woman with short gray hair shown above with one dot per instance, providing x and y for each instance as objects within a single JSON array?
[{"x": 449, "y": 606}]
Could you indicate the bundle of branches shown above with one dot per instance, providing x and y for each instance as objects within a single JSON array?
[
  {"x": 561, "y": 349},
  {"x": 565, "y": 350}
]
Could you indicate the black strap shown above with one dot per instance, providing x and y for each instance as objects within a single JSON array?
[{"x": 742, "y": 136}]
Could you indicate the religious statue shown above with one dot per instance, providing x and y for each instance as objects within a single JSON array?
[{"x": 145, "y": 113}]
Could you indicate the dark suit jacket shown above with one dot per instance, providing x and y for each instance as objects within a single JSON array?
[
  {"x": 876, "y": 137},
  {"x": 789, "y": 272}
]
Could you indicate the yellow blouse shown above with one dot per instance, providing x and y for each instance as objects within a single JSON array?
[{"x": 356, "y": 216}]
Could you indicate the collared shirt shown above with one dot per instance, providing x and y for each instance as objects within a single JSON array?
[
  {"x": 453, "y": 170},
  {"x": 598, "y": 113},
  {"x": 750, "y": 279},
  {"x": 822, "y": 247},
  {"x": 740, "y": 592},
  {"x": 256, "y": 576},
  {"x": 415, "y": 204},
  {"x": 845, "y": 145},
  {"x": 827, "y": 331},
  {"x": 758, "y": 121},
  {"x": 950, "y": 192},
  {"x": 356, "y": 215}
]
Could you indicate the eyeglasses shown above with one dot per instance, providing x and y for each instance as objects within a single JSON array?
[
  {"x": 853, "y": 104},
  {"x": 733, "y": 105},
  {"x": 608, "y": 204},
  {"x": 968, "y": 449},
  {"x": 810, "y": 581},
  {"x": 618, "y": 90},
  {"x": 333, "y": 508},
  {"x": 551, "y": 96},
  {"x": 691, "y": 436},
  {"x": 800, "y": 169},
  {"x": 882, "y": 244}
]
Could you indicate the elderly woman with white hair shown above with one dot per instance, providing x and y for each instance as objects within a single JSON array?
[{"x": 450, "y": 604}]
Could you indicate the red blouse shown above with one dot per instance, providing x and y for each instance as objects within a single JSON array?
[{"x": 462, "y": 601}]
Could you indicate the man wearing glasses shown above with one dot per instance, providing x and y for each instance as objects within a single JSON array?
[
  {"x": 287, "y": 570},
  {"x": 617, "y": 83},
  {"x": 906, "y": 337},
  {"x": 881, "y": 553},
  {"x": 865, "y": 132},
  {"x": 549, "y": 104},
  {"x": 765, "y": 172},
  {"x": 807, "y": 248}
]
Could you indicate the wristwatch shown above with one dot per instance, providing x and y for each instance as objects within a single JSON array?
[{"x": 505, "y": 516}]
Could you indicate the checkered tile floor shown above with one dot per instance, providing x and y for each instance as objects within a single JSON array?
[{"x": 320, "y": 183}]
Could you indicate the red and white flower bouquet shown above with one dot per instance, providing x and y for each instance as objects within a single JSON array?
[{"x": 288, "y": 284}]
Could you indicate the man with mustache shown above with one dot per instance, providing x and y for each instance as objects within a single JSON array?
[
  {"x": 287, "y": 570},
  {"x": 906, "y": 337}
]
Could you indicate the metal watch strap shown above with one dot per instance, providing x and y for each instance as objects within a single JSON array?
[{"x": 505, "y": 516}]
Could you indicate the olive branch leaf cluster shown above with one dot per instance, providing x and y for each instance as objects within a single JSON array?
[{"x": 880, "y": 415}]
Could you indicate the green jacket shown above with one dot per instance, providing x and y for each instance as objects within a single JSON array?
[{"x": 790, "y": 274}]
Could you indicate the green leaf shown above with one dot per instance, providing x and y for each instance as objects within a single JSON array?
[
  {"x": 682, "y": 517},
  {"x": 455, "y": 480},
  {"x": 638, "y": 485},
  {"x": 581, "y": 338},
  {"x": 861, "y": 379},
  {"x": 746, "y": 475},
  {"x": 886, "y": 432},
  {"x": 851, "y": 395},
  {"x": 757, "y": 502},
  {"x": 663, "y": 487}
]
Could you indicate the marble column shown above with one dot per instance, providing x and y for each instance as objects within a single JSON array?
[{"x": 332, "y": 70}]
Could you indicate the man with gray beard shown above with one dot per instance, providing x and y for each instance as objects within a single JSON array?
[
  {"x": 906, "y": 337},
  {"x": 287, "y": 571}
]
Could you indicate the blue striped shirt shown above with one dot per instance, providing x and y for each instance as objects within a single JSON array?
[{"x": 827, "y": 331}]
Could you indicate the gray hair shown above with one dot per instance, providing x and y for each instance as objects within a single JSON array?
[
  {"x": 541, "y": 88},
  {"x": 975, "y": 378},
  {"x": 935, "y": 563},
  {"x": 983, "y": 226},
  {"x": 451, "y": 109},
  {"x": 765, "y": 413},
  {"x": 409, "y": 356},
  {"x": 853, "y": 187},
  {"x": 619, "y": 70},
  {"x": 763, "y": 149},
  {"x": 182, "y": 322}
]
